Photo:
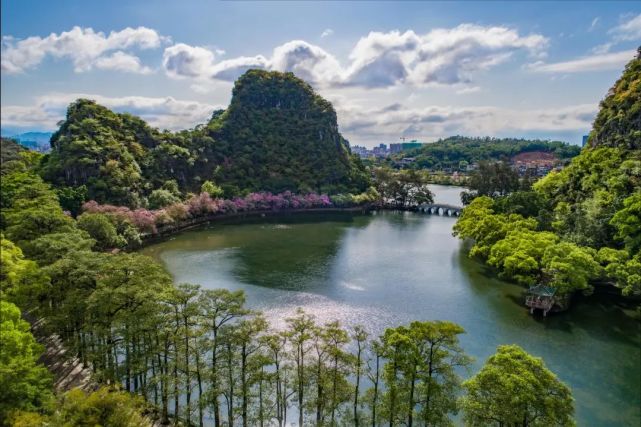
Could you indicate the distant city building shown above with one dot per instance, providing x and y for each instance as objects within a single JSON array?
[
  {"x": 585, "y": 140},
  {"x": 403, "y": 146}
]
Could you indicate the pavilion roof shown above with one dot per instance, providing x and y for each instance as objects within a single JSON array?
[{"x": 542, "y": 290}]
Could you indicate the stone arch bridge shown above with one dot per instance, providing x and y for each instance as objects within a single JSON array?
[{"x": 440, "y": 209}]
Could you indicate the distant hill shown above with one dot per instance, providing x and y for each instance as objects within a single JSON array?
[
  {"x": 455, "y": 151},
  {"x": 276, "y": 135},
  {"x": 38, "y": 141},
  {"x": 9, "y": 150}
]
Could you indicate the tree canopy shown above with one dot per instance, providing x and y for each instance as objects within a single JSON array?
[{"x": 515, "y": 388}]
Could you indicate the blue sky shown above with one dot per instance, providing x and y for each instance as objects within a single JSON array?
[{"x": 419, "y": 70}]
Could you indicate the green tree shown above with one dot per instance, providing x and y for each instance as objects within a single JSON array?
[
  {"x": 299, "y": 333},
  {"x": 519, "y": 256},
  {"x": 51, "y": 247},
  {"x": 102, "y": 230},
  {"x": 103, "y": 407},
  {"x": 627, "y": 222},
  {"x": 220, "y": 307},
  {"x": 515, "y": 388},
  {"x": 212, "y": 189},
  {"x": 24, "y": 383},
  {"x": 20, "y": 279},
  {"x": 160, "y": 198},
  {"x": 570, "y": 267}
]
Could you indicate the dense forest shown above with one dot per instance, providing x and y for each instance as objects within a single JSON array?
[
  {"x": 456, "y": 152},
  {"x": 578, "y": 227},
  {"x": 277, "y": 135}
]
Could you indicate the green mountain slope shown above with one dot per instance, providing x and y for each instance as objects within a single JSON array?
[
  {"x": 588, "y": 193},
  {"x": 282, "y": 135},
  {"x": 276, "y": 135}
]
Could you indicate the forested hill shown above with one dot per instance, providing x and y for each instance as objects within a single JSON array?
[
  {"x": 580, "y": 226},
  {"x": 597, "y": 198},
  {"x": 277, "y": 134},
  {"x": 449, "y": 152},
  {"x": 282, "y": 135}
]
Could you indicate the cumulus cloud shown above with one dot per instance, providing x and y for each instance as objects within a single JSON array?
[
  {"x": 328, "y": 32},
  {"x": 307, "y": 61},
  {"x": 595, "y": 62},
  {"x": 628, "y": 30},
  {"x": 182, "y": 60},
  {"x": 162, "y": 112},
  {"x": 122, "y": 61},
  {"x": 442, "y": 56},
  {"x": 390, "y": 122},
  {"x": 378, "y": 60},
  {"x": 83, "y": 46}
]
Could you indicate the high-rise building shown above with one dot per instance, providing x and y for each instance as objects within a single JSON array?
[{"x": 585, "y": 140}]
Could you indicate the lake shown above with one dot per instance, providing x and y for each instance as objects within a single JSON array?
[{"x": 387, "y": 268}]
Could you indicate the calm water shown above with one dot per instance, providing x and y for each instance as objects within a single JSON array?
[{"x": 385, "y": 269}]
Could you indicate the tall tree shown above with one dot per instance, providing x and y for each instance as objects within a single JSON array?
[{"x": 515, "y": 388}]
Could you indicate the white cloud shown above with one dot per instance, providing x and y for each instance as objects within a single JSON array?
[
  {"x": 122, "y": 61},
  {"x": 307, "y": 61},
  {"x": 328, "y": 32},
  {"x": 427, "y": 123},
  {"x": 162, "y": 112},
  {"x": 182, "y": 60},
  {"x": 231, "y": 69},
  {"x": 596, "y": 62},
  {"x": 83, "y": 46},
  {"x": 628, "y": 30},
  {"x": 378, "y": 60},
  {"x": 594, "y": 23}
]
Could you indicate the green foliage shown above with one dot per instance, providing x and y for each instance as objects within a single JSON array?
[
  {"x": 515, "y": 388},
  {"x": 51, "y": 247},
  {"x": 19, "y": 277},
  {"x": 101, "y": 229},
  {"x": 10, "y": 150},
  {"x": 212, "y": 189},
  {"x": 621, "y": 269},
  {"x": 457, "y": 152},
  {"x": 479, "y": 222},
  {"x": 72, "y": 198},
  {"x": 593, "y": 188},
  {"x": 276, "y": 135},
  {"x": 512, "y": 244},
  {"x": 570, "y": 267},
  {"x": 370, "y": 196},
  {"x": 494, "y": 179},
  {"x": 24, "y": 383},
  {"x": 161, "y": 198},
  {"x": 420, "y": 372},
  {"x": 627, "y": 223},
  {"x": 402, "y": 189},
  {"x": 103, "y": 407},
  {"x": 592, "y": 204},
  {"x": 519, "y": 256},
  {"x": 618, "y": 123},
  {"x": 34, "y": 211}
]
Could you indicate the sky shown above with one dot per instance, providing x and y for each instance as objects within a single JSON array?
[{"x": 414, "y": 70}]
